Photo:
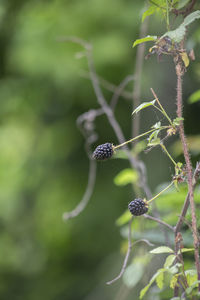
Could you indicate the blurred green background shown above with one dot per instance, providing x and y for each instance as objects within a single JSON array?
[{"x": 43, "y": 164}]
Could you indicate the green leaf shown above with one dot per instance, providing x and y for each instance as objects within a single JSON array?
[
  {"x": 143, "y": 105},
  {"x": 182, "y": 3},
  {"x": 133, "y": 274},
  {"x": 169, "y": 261},
  {"x": 157, "y": 125},
  {"x": 150, "y": 11},
  {"x": 173, "y": 281},
  {"x": 190, "y": 288},
  {"x": 159, "y": 280},
  {"x": 183, "y": 250},
  {"x": 162, "y": 249},
  {"x": 124, "y": 218},
  {"x": 194, "y": 97},
  {"x": 191, "y": 276},
  {"x": 176, "y": 122},
  {"x": 148, "y": 38},
  {"x": 178, "y": 34},
  {"x": 145, "y": 289},
  {"x": 153, "y": 140},
  {"x": 125, "y": 177},
  {"x": 174, "y": 269},
  {"x": 175, "y": 298},
  {"x": 191, "y": 17}
]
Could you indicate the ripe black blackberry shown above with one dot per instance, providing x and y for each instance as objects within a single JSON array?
[
  {"x": 138, "y": 207},
  {"x": 103, "y": 151}
]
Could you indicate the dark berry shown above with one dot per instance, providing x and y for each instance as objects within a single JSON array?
[
  {"x": 138, "y": 207},
  {"x": 103, "y": 151}
]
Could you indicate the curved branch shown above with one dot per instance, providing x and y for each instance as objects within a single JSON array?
[{"x": 88, "y": 192}]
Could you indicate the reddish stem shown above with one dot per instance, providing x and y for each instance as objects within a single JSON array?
[{"x": 189, "y": 169}]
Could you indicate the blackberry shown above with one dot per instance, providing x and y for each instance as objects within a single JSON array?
[
  {"x": 103, "y": 151},
  {"x": 138, "y": 207}
]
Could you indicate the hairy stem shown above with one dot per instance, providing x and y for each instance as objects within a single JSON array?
[{"x": 189, "y": 170}]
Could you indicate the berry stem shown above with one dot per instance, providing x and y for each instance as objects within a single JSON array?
[
  {"x": 137, "y": 137},
  {"x": 165, "y": 150},
  {"x": 160, "y": 192}
]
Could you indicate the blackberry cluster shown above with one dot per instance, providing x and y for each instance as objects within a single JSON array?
[
  {"x": 103, "y": 151},
  {"x": 138, "y": 207}
]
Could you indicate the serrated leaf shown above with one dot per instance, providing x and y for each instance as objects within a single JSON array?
[
  {"x": 124, "y": 218},
  {"x": 161, "y": 249},
  {"x": 148, "y": 38},
  {"x": 143, "y": 105},
  {"x": 194, "y": 285},
  {"x": 194, "y": 97},
  {"x": 150, "y": 11},
  {"x": 169, "y": 261},
  {"x": 178, "y": 34},
  {"x": 159, "y": 280},
  {"x": 125, "y": 177},
  {"x": 191, "y": 276},
  {"x": 145, "y": 289},
  {"x": 173, "y": 281},
  {"x": 133, "y": 274},
  {"x": 191, "y": 17}
]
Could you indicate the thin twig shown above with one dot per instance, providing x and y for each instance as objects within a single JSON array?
[
  {"x": 159, "y": 221},
  {"x": 130, "y": 245},
  {"x": 87, "y": 195},
  {"x": 119, "y": 90},
  {"x": 127, "y": 255},
  {"x": 135, "y": 163},
  {"x": 108, "y": 85},
  {"x": 139, "y": 165}
]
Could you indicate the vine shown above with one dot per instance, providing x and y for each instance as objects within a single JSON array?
[{"x": 184, "y": 282}]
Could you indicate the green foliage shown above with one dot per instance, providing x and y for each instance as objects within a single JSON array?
[
  {"x": 161, "y": 249},
  {"x": 125, "y": 177},
  {"x": 194, "y": 97},
  {"x": 159, "y": 282},
  {"x": 150, "y": 11},
  {"x": 153, "y": 139},
  {"x": 178, "y": 34},
  {"x": 133, "y": 273},
  {"x": 148, "y": 38},
  {"x": 124, "y": 218},
  {"x": 143, "y": 105}
]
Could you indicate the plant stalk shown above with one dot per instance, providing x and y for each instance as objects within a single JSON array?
[
  {"x": 167, "y": 187},
  {"x": 137, "y": 137},
  {"x": 189, "y": 170}
]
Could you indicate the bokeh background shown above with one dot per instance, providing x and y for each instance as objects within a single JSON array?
[{"x": 43, "y": 164}]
